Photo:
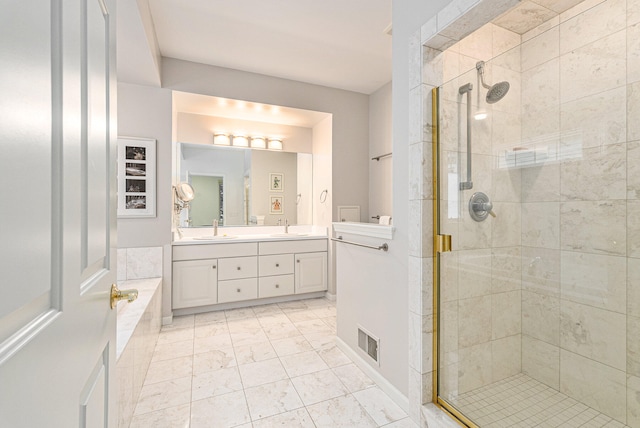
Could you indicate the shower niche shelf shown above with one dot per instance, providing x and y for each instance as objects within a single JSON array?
[{"x": 524, "y": 157}]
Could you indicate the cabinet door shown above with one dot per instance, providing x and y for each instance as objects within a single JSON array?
[
  {"x": 195, "y": 283},
  {"x": 311, "y": 272}
]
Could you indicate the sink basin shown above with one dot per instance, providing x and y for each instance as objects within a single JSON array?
[
  {"x": 288, "y": 235},
  {"x": 215, "y": 238}
]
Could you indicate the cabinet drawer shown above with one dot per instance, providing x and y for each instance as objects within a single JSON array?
[
  {"x": 279, "y": 285},
  {"x": 280, "y": 264},
  {"x": 214, "y": 251},
  {"x": 297, "y": 246},
  {"x": 237, "y": 267},
  {"x": 237, "y": 289}
]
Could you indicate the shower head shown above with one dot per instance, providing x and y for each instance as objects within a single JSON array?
[{"x": 495, "y": 92}]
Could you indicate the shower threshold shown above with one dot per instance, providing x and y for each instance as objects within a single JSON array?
[{"x": 522, "y": 402}]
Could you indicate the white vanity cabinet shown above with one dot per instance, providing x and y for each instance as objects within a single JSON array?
[
  {"x": 237, "y": 279},
  {"x": 310, "y": 267},
  {"x": 195, "y": 283},
  {"x": 210, "y": 274},
  {"x": 311, "y": 272}
]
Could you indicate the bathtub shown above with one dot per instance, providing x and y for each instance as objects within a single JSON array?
[{"x": 138, "y": 327}]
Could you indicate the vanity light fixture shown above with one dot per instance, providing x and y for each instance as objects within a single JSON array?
[
  {"x": 258, "y": 143},
  {"x": 275, "y": 144},
  {"x": 221, "y": 140},
  {"x": 240, "y": 141}
]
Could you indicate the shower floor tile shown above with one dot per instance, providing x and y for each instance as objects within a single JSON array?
[{"x": 522, "y": 402}]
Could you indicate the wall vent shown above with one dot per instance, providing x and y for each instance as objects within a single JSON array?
[{"x": 369, "y": 344}]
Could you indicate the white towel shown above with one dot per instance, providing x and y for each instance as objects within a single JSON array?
[{"x": 385, "y": 219}]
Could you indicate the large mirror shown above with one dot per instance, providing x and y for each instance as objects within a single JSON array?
[{"x": 244, "y": 186}]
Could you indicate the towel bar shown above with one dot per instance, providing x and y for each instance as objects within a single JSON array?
[
  {"x": 383, "y": 247},
  {"x": 377, "y": 158}
]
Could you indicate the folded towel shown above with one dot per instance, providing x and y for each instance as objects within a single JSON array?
[{"x": 385, "y": 219}]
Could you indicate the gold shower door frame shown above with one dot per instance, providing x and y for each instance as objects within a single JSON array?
[{"x": 441, "y": 243}]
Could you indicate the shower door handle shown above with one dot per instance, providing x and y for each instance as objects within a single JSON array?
[{"x": 442, "y": 243}]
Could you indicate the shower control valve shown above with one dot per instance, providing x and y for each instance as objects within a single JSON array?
[{"x": 480, "y": 207}]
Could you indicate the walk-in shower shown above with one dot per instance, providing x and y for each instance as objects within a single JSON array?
[{"x": 537, "y": 310}]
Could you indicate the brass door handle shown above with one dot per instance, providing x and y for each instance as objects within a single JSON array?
[{"x": 117, "y": 295}]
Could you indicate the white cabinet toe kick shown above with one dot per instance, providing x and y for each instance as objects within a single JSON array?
[{"x": 226, "y": 275}]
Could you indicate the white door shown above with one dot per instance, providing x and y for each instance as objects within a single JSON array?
[{"x": 57, "y": 213}]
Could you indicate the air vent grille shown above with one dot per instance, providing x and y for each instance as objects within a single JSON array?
[{"x": 369, "y": 344}]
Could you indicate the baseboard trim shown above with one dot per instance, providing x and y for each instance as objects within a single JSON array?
[
  {"x": 167, "y": 320},
  {"x": 398, "y": 397},
  {"x": 329, "y": 296}
]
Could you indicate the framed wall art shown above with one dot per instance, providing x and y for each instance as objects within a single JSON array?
[
  {"x": 136, "y": 177},
  {"x": 276, "y": 205},
  {"x": 276, "y": 182}
]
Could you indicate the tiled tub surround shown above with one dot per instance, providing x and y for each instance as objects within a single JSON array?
[
  {"x": 261, "y": 366},
  {"x": 138, "y": 327},
  {"x": 562, "y": 254},
  {"x": 139, "y": 263}
]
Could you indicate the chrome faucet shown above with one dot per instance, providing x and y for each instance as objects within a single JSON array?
[
  {"x": 286, "y": 226},
  {"x": 215, "y": 227}
]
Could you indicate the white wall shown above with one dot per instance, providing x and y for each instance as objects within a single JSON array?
[
  {"x": 145, "y": 111},
  {"x": 350, "y": 112},
  {"x": 322, "y": 164},
  {"x": 408, "y": 17},
  {"x": 380, "y": 143}
]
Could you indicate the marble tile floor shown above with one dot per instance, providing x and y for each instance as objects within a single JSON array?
[
  {"x": 274, "y": 365},
  {"x": 522, "y": 402}
]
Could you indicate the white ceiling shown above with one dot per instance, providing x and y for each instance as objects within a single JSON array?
[
  {"x": 185, "y": 102},
  {"x": 335, "y": 43}
]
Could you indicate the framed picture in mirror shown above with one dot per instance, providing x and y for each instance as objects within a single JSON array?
[
  {"x": 277, "y": 205},
  {"x": 276, "y": 182},
  {"x": 136, "y": 177}
]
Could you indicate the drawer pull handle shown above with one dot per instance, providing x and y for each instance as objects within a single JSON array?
[
  {"x": 213, "y": 267},
  {"x": 298, "y": 261},
  {"x": 277, "y": 285},
  {"x": 238, "y": 267},
  {"x": 277, "y": 264},
  {"x": 238, "y": 290}
]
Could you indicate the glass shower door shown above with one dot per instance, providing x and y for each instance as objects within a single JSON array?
[
  {"x": 479, "y": 292},
  {"x": 538, "y": 306}
]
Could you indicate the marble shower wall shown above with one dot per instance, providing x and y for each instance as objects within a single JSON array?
[
  {"x": 481, "y": 284},
  {"x": 580, "y": 221},
  {"x": 552, "y": 285}
]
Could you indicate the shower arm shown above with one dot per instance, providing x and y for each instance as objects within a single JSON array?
[
  {"x": 480, "y": 68},
  {"x": 466, "y": 185}
]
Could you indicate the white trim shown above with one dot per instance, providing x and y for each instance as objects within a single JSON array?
[
  {"x": 167, "y": 320},
  {"x": 365, "y": 229},
  {"x": 329, "y": 296},
  {"x": 398, "y": 397}
]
